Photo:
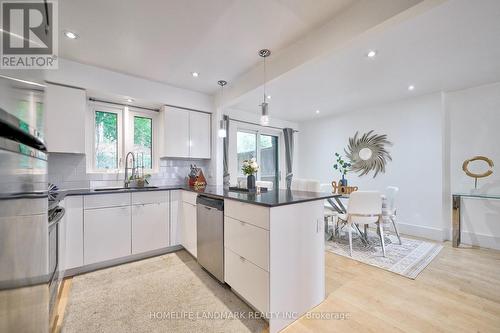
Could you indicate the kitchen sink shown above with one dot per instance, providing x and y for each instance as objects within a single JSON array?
[{"x": 123, "y": 188}]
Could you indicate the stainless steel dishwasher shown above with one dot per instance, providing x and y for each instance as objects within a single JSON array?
[{"x": 210, "y": 231}]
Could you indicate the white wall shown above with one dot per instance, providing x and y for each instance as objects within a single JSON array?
[
  {"x": 475, "y": 130},
  {"x": 415, "y": 126}
]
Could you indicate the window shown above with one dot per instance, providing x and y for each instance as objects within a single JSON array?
[
  {"x": 106, "y": 140},
  {"x": 264, "y": 147},
  {"x": 246, "y": 144},
  {"x": 143, "y": 141},
  {"x": 117, "y": 131}
]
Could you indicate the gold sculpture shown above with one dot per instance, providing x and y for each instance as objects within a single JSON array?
[
  {"x": 465, "y": 167},
  {"x": 340, "y": 189}
]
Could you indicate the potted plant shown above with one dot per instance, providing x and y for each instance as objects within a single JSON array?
[
  {"x": 250, "y": 168},
  {"x": 342, "y": 167}
]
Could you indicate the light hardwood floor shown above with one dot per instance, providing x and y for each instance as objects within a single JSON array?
[{"x": 458, "y": 292}]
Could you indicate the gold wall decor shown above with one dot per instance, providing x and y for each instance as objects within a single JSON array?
[
  {"x": 340, "y": 189},
  {"x": 465, "y": 168}
]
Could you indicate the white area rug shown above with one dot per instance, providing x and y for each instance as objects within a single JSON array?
[
  {"x": 169, "y": 293},
  {"x": 408, "y": 259}
]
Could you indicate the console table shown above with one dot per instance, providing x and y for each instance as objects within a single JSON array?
[{"x": 457, "y": 202}]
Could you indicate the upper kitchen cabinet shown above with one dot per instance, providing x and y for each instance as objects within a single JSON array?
[
  {"x": 176, "y": 136},
  {"x": 186, "y": 133},
  {"x": 199, "y": 131},
  {"x": 65, "y": 119}
]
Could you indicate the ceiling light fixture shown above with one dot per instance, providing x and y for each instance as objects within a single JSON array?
[
  {"x": 411, "y": 87},
  {"x": 195, "y": 74},
  {"x": 130, "y": 100},
  {"x": 264, "y": 107},
  {"x": 317, "y": 111},
  {"x": 371, "y": 54},
  {"x": 268, "y": 96},
  {"x": 70, "y": 35},
  {"x": 222, "y": 124}
]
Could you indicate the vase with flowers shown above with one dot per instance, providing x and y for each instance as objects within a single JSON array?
[
  {"x": 250, "y": 168},
  {"x": 342, "y": 167}
]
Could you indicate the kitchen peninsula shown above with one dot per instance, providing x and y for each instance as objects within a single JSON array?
[{"x": 273, "y": 241}]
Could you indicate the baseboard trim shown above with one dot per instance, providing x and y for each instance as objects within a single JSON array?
[
  {"x": 484, "y": 241},
  {"x": 421, "y": 231},
  {"x": 119, "y": 261}
]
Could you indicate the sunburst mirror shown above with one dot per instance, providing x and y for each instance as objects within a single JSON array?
[{"x": 368, "y": 153}]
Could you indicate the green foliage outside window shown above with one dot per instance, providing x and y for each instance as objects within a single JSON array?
[
  {"x": 106, "y": 140},
  {"x": 143, "y": 131}
]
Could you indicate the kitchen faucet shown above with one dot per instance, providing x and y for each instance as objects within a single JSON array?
[{"x": 127, "y": 180}]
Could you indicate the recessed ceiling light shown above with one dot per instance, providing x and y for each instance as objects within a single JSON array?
[
  {"x": 70, "y": 35},
  {"x": 371, "y": 53},
  {"x": 317, "y": 111},
  {"x": 195, "y": 74},
  {"x": 130, "y": 100},
  {"x": 268, "y": 96},
  {"x": 411, "y": 87}
]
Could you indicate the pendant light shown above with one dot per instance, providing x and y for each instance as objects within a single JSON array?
[
  {"x": 222, "y": 122},
  {"x": 264, "y": 117}
]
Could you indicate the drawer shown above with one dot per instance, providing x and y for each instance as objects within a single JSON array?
[
  {"x": 106, "y": 200},
  {"x": 253, "y": 214},
  {"x": 247, "y": 279},
  {"x": 149, "y": 197},
  {"x": 248, "y": 241},
  {"x": 189, "y": 197}
]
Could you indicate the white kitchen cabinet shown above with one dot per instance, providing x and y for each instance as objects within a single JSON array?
[
  {"x": 188, "y": 228},
  {"x": 199, "y": 133},
  {"x": 175, "y": 217},
  {"x": 64, "y": 112},
  {"x": 150, "y": 227},
  {"x": 176, "y": 132},
  {"x": 185, "y": 134},
  {"x": 74, "y": 231},
  {"x": 107, "y": 234}
]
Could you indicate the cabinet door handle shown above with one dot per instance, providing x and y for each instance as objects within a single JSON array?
[{"x": 242, "y": 259}]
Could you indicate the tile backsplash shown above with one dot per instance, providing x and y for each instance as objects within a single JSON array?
[{"x": 69, "y": 171}]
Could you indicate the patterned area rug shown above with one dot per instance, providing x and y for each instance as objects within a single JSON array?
[
  {"x": 169, "y": 293},
  {"x": 408, "y": 259}
]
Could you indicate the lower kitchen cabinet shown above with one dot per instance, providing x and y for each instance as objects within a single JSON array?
[
  {"x": 150, "y": 227},
  {"x": 74, "y": 231},
  {"x": 188, "y": 227},
  {"x": 107, "y": 234}
]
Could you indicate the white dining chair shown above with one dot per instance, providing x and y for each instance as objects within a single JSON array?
[
  {"x": 389, "y": 208},
  {"x": 307, "y": 185},
  {"x": 258, "y": 183},
  {"x": 365, "y": 207}
]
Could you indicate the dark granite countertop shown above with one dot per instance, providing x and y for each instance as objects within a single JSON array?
[{"x": 272, "y": 198}]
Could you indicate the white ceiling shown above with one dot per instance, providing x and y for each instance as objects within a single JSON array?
[
  {"x": 166, "y": 40},
  {"x": 453, "y": 46}
]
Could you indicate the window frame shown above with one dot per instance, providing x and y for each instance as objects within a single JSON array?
[
  {"x": 129, "y": 138},
  {"x": 125, "y": 135},
  {"x": 234, "y": 169},
  {"x": 119, "y": 112}
]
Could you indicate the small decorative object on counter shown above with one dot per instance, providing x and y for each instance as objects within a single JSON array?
[
  {"x": 487, "y": 173},
  {"x": 196, "y": 177},
  {"x": 342, "y": 167},
  {"x": 250, "y": 168},
  {"x": 341, "y": 189}
]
